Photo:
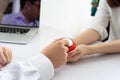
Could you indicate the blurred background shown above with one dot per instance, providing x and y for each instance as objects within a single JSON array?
[{"x": 66, "y": 15}]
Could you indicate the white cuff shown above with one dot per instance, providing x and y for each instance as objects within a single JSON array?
[
  {"x": 44, "y": 66},
  {"x": 100, "y": 29}
]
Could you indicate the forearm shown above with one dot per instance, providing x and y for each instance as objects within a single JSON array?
[
  {"x": 87, "y": 37},
  {"x": 108, "y": 47},
  {"x": 37, "y": 67}
]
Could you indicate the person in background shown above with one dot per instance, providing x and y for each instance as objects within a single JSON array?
[
  {"x": 94, "y": 4},
  {"x": 39, "y": 67},
  {"x": 27, "y": 16},
  {"x": 108, "y": 11}
]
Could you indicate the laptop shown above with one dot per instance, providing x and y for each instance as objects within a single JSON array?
[{"x": 15, "y": 27}]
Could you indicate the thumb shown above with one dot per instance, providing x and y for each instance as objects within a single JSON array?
[{"x": 68, "y": 42}]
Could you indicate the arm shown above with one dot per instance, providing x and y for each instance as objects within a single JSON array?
[
  {"x": 96, "y": 29},
  {"x": 101, "y": 48},
  {"x": 40, "y": 67},
  {"x": 107, "y": 47},
  {"x": 87, "y": 37}
]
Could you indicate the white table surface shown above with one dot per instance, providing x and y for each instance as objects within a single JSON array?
[{"x": 104, "y": 67}]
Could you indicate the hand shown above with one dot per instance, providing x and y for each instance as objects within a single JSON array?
[
  {"x": 5, "y": 56},
  {"x": 78, "y": 53},
  {"x": 57, "y": 52}
]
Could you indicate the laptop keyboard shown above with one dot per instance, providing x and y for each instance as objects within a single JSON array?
[{"x": 13, "y": 30}]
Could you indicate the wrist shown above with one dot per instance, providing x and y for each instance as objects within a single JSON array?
[
  {"x": 88, "y": 50},
  {"x": 91, "y": 49},
  {"x": 84, "y": 49}
]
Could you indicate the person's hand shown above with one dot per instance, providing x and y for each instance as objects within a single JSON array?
[
  {"x": 78, "y": 53},
  {"x": 57, "y": 52},
  {"x": 5, "y": 56}
]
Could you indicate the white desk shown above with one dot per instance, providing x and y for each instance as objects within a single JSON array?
[
  {"x": 44, "y": 36},
  {"x": 105, "y": 67}
]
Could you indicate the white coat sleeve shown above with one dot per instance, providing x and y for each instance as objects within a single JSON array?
[{"x": 37, "y": 68}]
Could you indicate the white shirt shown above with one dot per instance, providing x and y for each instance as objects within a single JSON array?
[
  {"x": 101, "y": 19},
  {"x": 37, "y": 68}
]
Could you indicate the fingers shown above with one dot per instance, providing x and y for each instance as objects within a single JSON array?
[
  {"x": 62, "y": 43},
  {"x": 8, "y": 54},
  {"x": 74, "y": 55},
  {"x": 66, "y": 41},
  {"x": 73, "y": 59},
  {"x": 65, "y": 49},
  {"x": 69, "y": 42},
  {"x": 2, "y": 57},
  {"x": 5, "y": 55},
  {"x": 71, "y": 45}
]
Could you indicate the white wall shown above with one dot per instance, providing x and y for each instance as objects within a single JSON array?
[{"x": 67, "y": 15}]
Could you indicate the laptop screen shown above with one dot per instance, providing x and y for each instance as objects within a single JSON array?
[{"x": 28, "y": 13}]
